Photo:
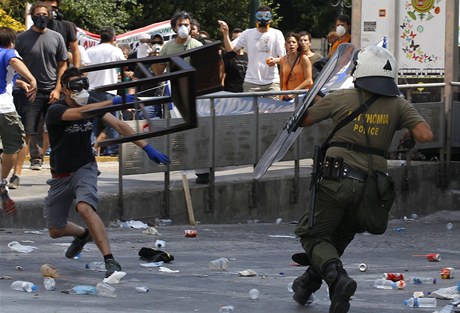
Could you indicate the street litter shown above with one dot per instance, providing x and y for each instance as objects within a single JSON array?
[
  {"x": 448, "y": 293},
  {"x": 137, "y": 224},
  {"x": 151, "y": 231},
  {"x": 432, "y": 257},
  {"x": 35, "y": 232},
  {"x": 248, "y": 273},
  {"x": 48, "y": 270},
  {"x": 282, "y": 236},
  {"x": 167, "y": 270},
  {"x": 153, "y": 255},
  {"x": 152, "y": 264},
  {"x": 114, "y": 278},
  {"x": 16, "y": 246},
  {"x": 142, "y": 289}
]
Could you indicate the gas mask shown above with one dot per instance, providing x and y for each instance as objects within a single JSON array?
[
  {"x": 79, "y": 88},
  {"x": 263, "y": 18},
  {"x": 340, "y": 30},
  {"x": 40, "y": 21},
  {"x": 80, "y": 97},
  {"x": 183, "y": 31}
]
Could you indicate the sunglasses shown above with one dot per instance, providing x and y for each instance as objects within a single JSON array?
[
  {"x": 78, "y": 84},
  {"x": 157, "y": 43},
  {"x": 263, "y": 15}
]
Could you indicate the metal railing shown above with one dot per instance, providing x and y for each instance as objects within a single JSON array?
[{"x": 187, "y": 153}]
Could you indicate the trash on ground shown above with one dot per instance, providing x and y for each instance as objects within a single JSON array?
[
  {"x": 153, "y": 255},
  {"x": 362, "y": 267},
  {"x": 26, "y": 286},
  {"x": 49, "y": 283},
  {"x": 447, "y": 273},
  {"x": 114, "y": 278},
  {"x": 254, "y": 294},
  {"x": 448, "y": 293},
  {"x": 16, "y": 246},
  {"x": 220, "y": 264},
  {"x": 105, "y": 290},
  {"x": 160, "y": 244},
  {"x": 167, "y": 270},
  {"x": 142, "y": 289},
  {"x": 35, "y": 232},
  {"x": 248, "y": 273},
  {"x": 136, "y": 224},
  {"x": 191, "y": 233},
  {"x": 282, "y": 236},
  {"x": 152, "y": 264},
  {"x": 81, "y": 290},
  {"x": 49, "y": 270},
  {"x": 19, "y": 268},
  {"x": 151, "y": 231}
]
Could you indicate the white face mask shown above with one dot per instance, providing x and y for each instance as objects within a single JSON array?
[
  {"x": 183, "y": 32},
  {"x": 81, "y": 98},
  {"x": 340, "y": 30}
]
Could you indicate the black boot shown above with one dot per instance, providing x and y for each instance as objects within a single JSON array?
[
  {"x": 305, "y": 285},
  {"x": 341, "y": 286}
]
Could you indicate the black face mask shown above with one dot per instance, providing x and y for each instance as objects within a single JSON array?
[{"x": 40, "y": 21}]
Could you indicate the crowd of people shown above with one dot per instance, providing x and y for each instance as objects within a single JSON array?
[{"x": 43, "y": 108}]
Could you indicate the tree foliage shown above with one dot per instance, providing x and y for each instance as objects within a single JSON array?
[{"x": 316, "y": 16}]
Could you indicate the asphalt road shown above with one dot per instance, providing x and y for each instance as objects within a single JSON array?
[{"x": 264, "y": 248}]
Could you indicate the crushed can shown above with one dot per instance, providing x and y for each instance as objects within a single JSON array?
[
  {"x": 447, "y": 273},
  {"x": 433, "y": 257},
  {"x": 394, "y": 276},
  {"x": 190, "y": 233}
]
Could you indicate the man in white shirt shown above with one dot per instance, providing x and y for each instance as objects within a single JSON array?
[
  {"x": 105, "y": 52},
  {"x": 262, "y": 44}
]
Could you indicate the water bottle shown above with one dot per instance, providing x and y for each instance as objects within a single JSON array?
[
  {"x": 105, "y": 290},
  {"x": 227, "y": 309},
  {"x": 20, "y": 285},
  {"x": 383, "y": 283},
  {"x": 422, "y": 280},
  {"x": 421, "y": 302},
  {"x": 97, "y": 266},
  {"x": 160, "y": 244},
  {"x": 49, "y": 283}
]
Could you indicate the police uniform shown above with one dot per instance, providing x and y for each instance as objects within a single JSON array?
[{"x": 337, "y": 200}]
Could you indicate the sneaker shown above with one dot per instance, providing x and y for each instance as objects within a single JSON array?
[
  {"x": 77, "y": 245},
  {"x": 36, "y": 164},
  {"x": 14, "y": 182},
  {"x": 8, "y": 205},
  {"x": 111, "y": 266}
]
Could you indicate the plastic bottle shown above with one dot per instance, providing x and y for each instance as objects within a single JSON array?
[
  {"x": 20, "y": 285},
  {"x": 105, "y": 290},
  {"x": 96, "y": 266},
  {"x": 49, "y": 283},
  {"x": 160, "y": 244},
  {"x": 254, "y": 294},
  {"x": 227, "y": 309},
  {"x": 421, "y": 302},
  {"x": 383, "y": 283},
  {"x": 422, "y": 280},
  {"x": 220, "y": 264}
]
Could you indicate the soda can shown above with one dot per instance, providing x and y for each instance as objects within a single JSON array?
[
  {"x": 447, "y": 273},
  {"x": 394, "y": 276},
  {"x": 190, "y": 233},
  {"x": 433, "y": 257}
]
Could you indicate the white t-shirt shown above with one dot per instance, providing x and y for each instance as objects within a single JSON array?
[
  {"x": 259, "y": 46},
  {"x": 84, "y": 58},
  {"x": 104, "y": 53}
]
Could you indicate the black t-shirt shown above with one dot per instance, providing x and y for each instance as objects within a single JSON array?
[
  {"x": 235, "y": 70},
  {"x": 66, "y": 29},
  {"x": 70, "y": 141},
  {"x": 148, "y": 90}
]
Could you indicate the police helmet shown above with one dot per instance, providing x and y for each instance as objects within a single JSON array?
[{"x": 376, "y": 71}]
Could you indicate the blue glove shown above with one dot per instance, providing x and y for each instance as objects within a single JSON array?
[
  {"x": 156, "y": 156},
  {"x": 119, "y": 99}
]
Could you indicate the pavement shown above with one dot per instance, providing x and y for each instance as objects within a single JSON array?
[{"x": 265, "y": 248}]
